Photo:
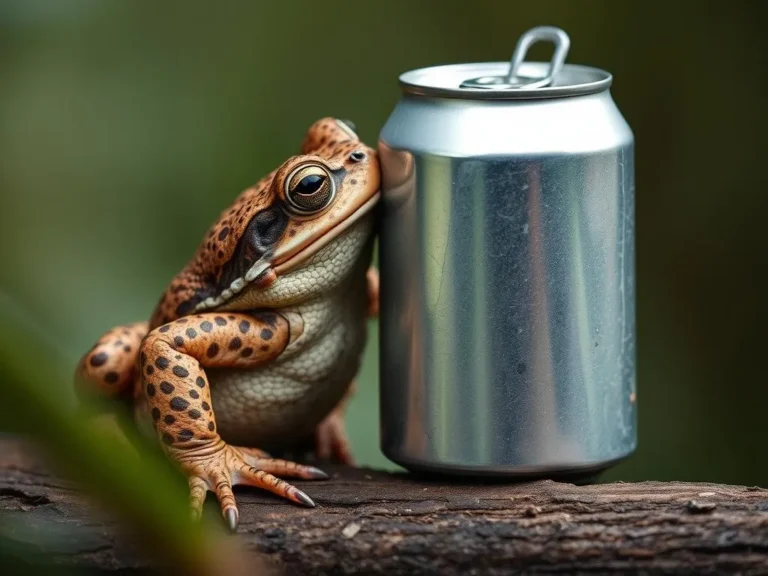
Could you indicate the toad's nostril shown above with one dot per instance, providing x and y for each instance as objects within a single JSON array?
[{"x": 357, "y": 156}]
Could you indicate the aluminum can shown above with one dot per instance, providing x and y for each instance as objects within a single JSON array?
[{"x": 506, "y": 251}]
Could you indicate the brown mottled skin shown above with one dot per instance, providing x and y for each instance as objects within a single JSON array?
[{"x": 252, "y": 315}]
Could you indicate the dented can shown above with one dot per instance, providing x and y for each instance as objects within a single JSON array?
[{"x": 506, "y": 249}]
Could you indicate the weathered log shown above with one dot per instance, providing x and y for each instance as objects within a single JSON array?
[{"x": 370, "y": 522}]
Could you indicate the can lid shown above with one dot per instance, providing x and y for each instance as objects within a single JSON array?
[{"x": 517, "y": 79}]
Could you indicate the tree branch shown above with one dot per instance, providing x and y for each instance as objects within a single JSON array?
[{"x": 371, "y": 522}]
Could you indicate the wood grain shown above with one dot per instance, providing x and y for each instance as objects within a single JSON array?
[{"x": 370, "y": 522}]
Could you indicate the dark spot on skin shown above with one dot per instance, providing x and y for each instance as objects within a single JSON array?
[
  {"x": 235, "y": 343},
  {"x": 118, "y": 343},
  {"x": 224, "y": 233},
  {"x": 213, "y": 349},
  {"x": 220, "y": 321},
  {"x": 126, "y": 349},
  {"x": 165, "y": 328},
  {"x": 200, "y": 381},
  {"x": 150, "y": 370},
  {"x": 353, "y": 181},
  {"x": 187, "y": 306},
  {"x": 206, "y": 406},
  {"x": 162, "y": 362},
  {"x": 111, "y": 377},
  {"x": 178, "y": 357},
  {"x": 268, "y": 318},
  {"x": 206, "y": 326},
  {"x": 126, "y": 332},
  {"x": 211, "y": 426},
  {"x": 180, "y": 371},
  {"x": 521, "y": 368},
  {"x": 292, "y": 233},
  {"x": 266, "y": 334},
  {"x": 231, "y": 317},
  {"x": 194, "y": 394},
  {"x": 150, "y": 390},
  {"x": 194, "y": 414},
  {"x": 178, "y": 341},
  {"x": 246, "y": 352},
  {"x": 220, "y": 254},
  {"x": 167, "y": 387},
  {"x": 185, "y": 435},
  {"x": 191, "y": 333},
  {"x": 167, "y": 438},
  {"x": 181, "y": 321},
  {"x": 143, "y": 358},
  {"x": 155, "y": 414},
  {"x": 244, "y": 326},
  {"x": 179, "y": 404},
  {"x": 264, "y": 347},
  {"x": 169, "y": 419},
  {"x": 99, "y": 359}
]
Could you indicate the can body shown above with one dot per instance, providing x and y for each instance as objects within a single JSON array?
[{"x": 507, "y": 332}]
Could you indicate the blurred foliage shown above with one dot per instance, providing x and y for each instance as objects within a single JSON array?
[
  {"x": 126, "y": 474},
  {"x": 127, "y": 126}
]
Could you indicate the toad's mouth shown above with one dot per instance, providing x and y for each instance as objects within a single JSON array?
[
  {"x": 264, "y": 272},
  {"x": 283, "y": 263}
]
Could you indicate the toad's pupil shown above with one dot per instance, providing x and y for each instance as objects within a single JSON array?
[{"x": 309, "y": 184}]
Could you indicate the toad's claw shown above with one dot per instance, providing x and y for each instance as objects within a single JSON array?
[
  {"x": 231, "y": 466},
  {"x": 306, "y": 500},
  {"x": 232, "y": 519}
]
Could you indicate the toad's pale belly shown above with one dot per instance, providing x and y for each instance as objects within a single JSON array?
[
  {"x": 277, "y": 405},
  {"x": 282, "y": 403}
]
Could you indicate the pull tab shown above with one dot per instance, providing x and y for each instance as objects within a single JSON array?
[{"x": 513, "y": 80}]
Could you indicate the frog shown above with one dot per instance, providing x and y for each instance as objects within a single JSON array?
[{"x": 255, "y": 344}]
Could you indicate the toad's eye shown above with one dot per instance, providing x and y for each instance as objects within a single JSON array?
[
  {"x": 309, "y": 189},
  {"x": 309, "y": 184}
]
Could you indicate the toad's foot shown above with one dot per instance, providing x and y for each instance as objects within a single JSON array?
[
  {"x": 218, "y": 468},
  {"x": 372, "y": 282},
  {"x": 331, "y": 442},
  {"x": 177, "y": 392}
]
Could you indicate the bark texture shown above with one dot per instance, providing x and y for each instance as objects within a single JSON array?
[{"x": 370, "y": 522}]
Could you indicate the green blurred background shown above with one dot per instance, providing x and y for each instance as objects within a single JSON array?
[{"x": 126, "y": 126}]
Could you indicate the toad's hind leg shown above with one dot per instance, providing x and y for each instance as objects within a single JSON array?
[
  {"x": 178, "y": 396},
  {"x": 109, "y": 368}
]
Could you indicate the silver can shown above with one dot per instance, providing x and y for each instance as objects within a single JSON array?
[{"x": 507, "y": 332}]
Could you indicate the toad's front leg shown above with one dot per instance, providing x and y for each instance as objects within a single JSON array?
[{"x": 173, "y": 358}]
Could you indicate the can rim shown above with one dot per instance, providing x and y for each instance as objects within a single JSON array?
[{"x": 573, "y": 80}]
